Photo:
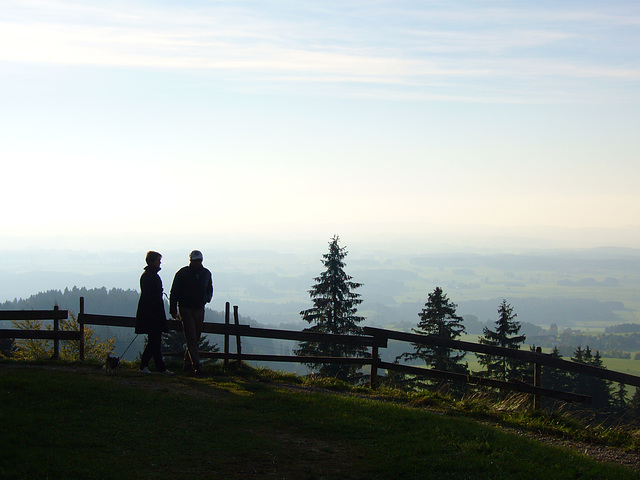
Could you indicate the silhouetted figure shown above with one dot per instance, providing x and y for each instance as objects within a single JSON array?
[
  {"x": 191, "y": 290},
  {"x": 151, "y": 318}
]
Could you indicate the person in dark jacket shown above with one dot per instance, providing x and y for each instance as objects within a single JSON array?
[
  {"x": 191, "y": 290},
  {"x": 150, "y": 317}
]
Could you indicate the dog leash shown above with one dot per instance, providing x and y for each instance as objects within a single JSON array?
[{"x": 125, "y": 351}]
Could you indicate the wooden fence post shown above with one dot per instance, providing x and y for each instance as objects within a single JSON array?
[
  {"x": 537, "y": 381},
  {"x": 236, "y": 321},
  {"x": 56, "y": 329},
  {"x": 226, "y": 335},
  {"x": 374, "y": 365},
  {"x": 81, "y": 324}
]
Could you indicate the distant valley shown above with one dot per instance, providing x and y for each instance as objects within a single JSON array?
[{"x": 584, "y": 291}]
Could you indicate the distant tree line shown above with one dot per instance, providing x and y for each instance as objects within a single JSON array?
[
  {"x": 114, "y": 301},
  {"x": 610, "y": 344},
  {"x": 623, "y": 328}
]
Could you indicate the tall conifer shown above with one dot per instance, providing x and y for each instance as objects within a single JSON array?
[
  {"x": 505, "y": 335},
  {"x": 598, "y": 388},
  {"x": 334, "y": 311},
  {"x": 439, "y": 318}
]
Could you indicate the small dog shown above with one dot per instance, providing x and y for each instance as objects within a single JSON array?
[{"x": 111, "y": 364}]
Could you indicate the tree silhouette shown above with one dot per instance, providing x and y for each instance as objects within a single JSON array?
[
  {"x": 555, "y": 378},
  {"x": 439, "y": 318},
  {"x": 505, "y": 335},
  {"x": 620, "y": 398},
  {"x": 598, "y": 388},
  {"x": 174, "y": 341},
  {"x": 334, "y": 311},
  {"x": 634, "y": 403}
]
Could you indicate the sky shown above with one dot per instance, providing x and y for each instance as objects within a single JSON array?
[{"x": 161, "y": 124}]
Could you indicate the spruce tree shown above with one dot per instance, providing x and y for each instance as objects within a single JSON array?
[
  {"x": 505, "y": 335},
  {"x": 601, "y": 388},
  {"x": 578, "y": 354},
  {"x": 439, "y": 318},
  {"x": 620, "y": 398},
  {"x": 598, "y": 388},
  {"x": 634, "y": 404},
  {"x": 556, "y": 378},
  {"x": 334, "y": 311}
]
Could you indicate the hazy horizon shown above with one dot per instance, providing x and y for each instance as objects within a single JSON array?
[
  {"x": 271, "y": 284},
  {"x": 400, "y": 126},
  {"x": 390, "y": 237}
]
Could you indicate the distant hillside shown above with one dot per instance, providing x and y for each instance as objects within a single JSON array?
[{"x": 97, "y": 300}]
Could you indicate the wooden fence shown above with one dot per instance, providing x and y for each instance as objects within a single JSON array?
[
  {"x": 373, "y": 338},
  {"x": 538, "y": 359},
  {"x": 54, "y": 334},
  {"x": 238, "y": 331}
]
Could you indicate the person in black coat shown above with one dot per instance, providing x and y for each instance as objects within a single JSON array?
[{"x": 150, "y": 317}]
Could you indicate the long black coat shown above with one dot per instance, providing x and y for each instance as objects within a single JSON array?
[{"x": 151, "y": 317}]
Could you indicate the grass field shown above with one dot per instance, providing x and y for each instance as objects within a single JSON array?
[
  {"x": 62, "y": 423},
  {"x": 624, "y": 365}
]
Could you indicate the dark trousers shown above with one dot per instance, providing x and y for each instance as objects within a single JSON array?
[
  {"x": 192, "y": 321},
  {"x": 153, "y": 350}
]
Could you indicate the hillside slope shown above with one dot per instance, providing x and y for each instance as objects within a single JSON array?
[{"x": 61, "y": 422}]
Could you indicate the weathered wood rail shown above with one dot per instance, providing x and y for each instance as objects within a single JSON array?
[
  {"x": 54, "y": 334},
  {"x": 538, "y": 359},
  {"x": 228, "y": 330}
]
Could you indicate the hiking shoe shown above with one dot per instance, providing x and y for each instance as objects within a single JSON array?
[
  {"x": 145, "y": 370},
  {"x": 167, "y": 372}
]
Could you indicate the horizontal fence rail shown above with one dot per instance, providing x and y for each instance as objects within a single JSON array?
[
  {"x": 524, "y": 355},
  {"x": 39, "y": 334},
  {"x": 286, "y": 358},
  {"x": 487, "y": 382},
  {"x": 56, "y": 313},
  {"x": 25, "y": 334},
  {"x": 239, "y": 330}
]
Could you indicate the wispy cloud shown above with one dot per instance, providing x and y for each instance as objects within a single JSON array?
[{"x": 383, "y": 43}]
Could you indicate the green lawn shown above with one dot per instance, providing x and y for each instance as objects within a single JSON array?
[{"x": 85, "y": 424}]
